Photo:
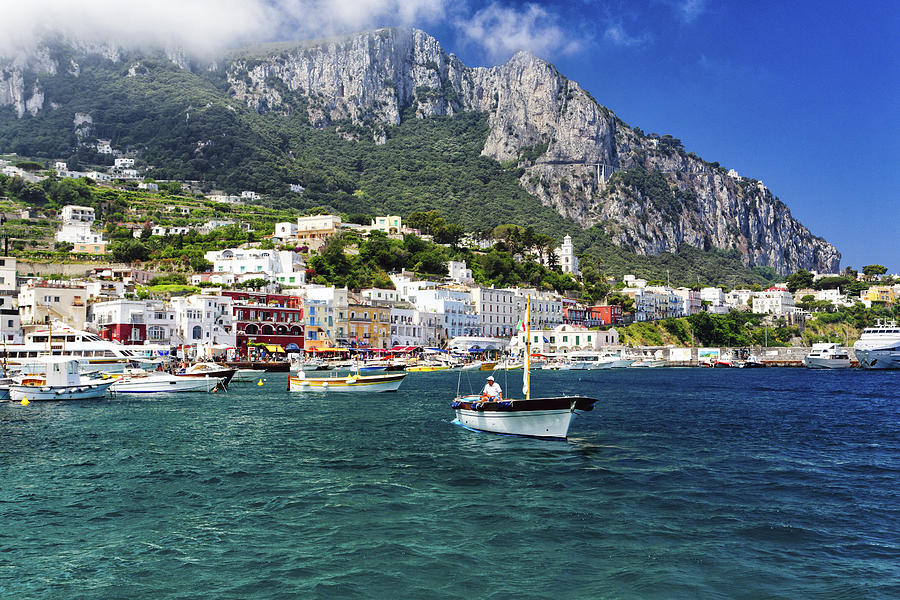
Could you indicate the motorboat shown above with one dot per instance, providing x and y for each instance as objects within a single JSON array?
[
  {"x": 590, "y": 361},
  {"x": 548, "y": 418},
  {"x": 879, "y": 346},
  {"x": 380, "y": 382},
  {"x": 93, "y": 353},
  {"x": 208, "y": 369},
  {"x": 56, "y": 378},
  {"x": 248, "y": 374},
  {"x": 750, "y": 362},
  {"x": 138, "y": 381},
  {"x": 827, "y": 356},
  {"x": 724, "y": 361}
]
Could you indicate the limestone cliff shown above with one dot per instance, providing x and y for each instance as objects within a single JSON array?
[{"x": 569, "y": 145}]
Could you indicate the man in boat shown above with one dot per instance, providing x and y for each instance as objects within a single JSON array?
[{"x": 491, "y": 390}]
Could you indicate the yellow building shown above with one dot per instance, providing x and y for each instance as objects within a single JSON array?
[
  {"x": 370, "y": 326},
  {"x": 389, "y": 224},
  {"x": 880, "y": 293},
  {"x": 86, "y": 248}
]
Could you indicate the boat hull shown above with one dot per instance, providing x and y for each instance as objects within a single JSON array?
[
  {"x": 164, "y": 385},
  {"x": 248, "y": 374},
  {"x": 225, "y": 374},
  {"x": 86, "y": 391},
  {"x": 878, "y": 359},
  {"x": 372, "y": 383},
  {"x": 547, "y": 418},
  {"x": 813, "y": 362}
]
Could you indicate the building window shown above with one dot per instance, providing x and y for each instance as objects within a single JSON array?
[{"x": 197, "y": 332}]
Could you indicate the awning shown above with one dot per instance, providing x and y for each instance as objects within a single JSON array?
[
  {"x": 330, "y": 349},
  {"x": 403, "y": 348},
  {"x": 274, "y": 348},
  {"x": 292, "y": 346}
]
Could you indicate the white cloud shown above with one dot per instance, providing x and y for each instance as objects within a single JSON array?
[
  {"x": 689, "y": 10},
  {"x": 201, "y": 26},
  {"x": 501, "y": 31},
  {"x": 616, "y": 34}
]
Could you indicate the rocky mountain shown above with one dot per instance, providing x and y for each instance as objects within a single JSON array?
[{"x": 646, "y": 191}]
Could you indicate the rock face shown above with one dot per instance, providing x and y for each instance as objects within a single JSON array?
[
  {"x": 572, "y": 149},
  {"x": 576, "y": 155}
]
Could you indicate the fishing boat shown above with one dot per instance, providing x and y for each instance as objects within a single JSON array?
[
  {"x": 380, "y": 382},
  {"x": 547, "y": 418},
  {"x": 138, "y": 381},
  {"x": 208, "y": 369},
  {"x": 56, "y": 378}
]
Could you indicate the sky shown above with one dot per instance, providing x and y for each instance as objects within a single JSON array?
[{"x": 802, "y": 95}]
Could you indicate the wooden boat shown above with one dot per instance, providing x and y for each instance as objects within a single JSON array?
[
  {"x": 428, "y": 368},
  {"x": 207, "y": 369},
  {"x": 547, "y": 418},
  {"x": 56, "y": 378},
  {"x": 380, "y": 382}
]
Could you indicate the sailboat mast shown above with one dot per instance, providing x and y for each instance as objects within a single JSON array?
[{"x": 526, "y": 366}]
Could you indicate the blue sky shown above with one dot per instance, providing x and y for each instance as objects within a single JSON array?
[{"x": 802, "y": 95}]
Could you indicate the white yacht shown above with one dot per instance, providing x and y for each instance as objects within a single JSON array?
[
  {"x": 91, "y": 351},
  {"x": 586, "y": 360},
  {"x": 827, "y": 356},
  {"x": 879, "y": 346}
]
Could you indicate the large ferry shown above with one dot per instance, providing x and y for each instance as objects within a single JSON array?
[
  {"x": 879, "y": 347},
  {"x": 92, "y": 352}
]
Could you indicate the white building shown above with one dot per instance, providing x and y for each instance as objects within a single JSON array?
[
  {"x": 135, "y": 321},
  {"x": 668, "y": 304},
  {"x": 76, "y": 227},
  {"x": 715, "y": 299},
  {"x": 453, "y": 307},
  {"x": 565, "y": 256},
  {"x": 124, "y": 163},
  {"x": 565, "y": 338},
  {"x": 738, "y": 299},
  {"x": 204, "y": 319},
  {"x": 380, "y": 296},
  {"x": 285, "y": 266},
  {"x": 690, "y": 300},
  {"x": 285, "y": 231},
  {"x": 497, "y": 310},
  {"x": 149, "y": 186},
  {"x": 249, "y": 195},
  {"x": 104, "y": 147},
  {"x": 459, "y": 273},
  {"x": 546, "y": 307},
  {"x": 775, "y": 300},
  {"x": 411, "y": 327}
]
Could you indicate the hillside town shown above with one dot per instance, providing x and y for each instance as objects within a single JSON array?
[{"x": 285, "y": 313}]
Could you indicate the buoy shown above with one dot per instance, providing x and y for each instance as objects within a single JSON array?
[
  {"x": 259, "y": 382},
  {"x": 25, "y": 401}
]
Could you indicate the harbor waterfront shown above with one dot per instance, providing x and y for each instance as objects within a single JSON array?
[{"x": 681, "y": 483}]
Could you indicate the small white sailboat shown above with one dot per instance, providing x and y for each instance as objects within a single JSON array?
[
  {"x": 56, "y": 378},
  {"x": 547, "y": 418}
]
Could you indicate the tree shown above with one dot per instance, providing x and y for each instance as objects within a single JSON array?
[
  {"x": 873, "y": 270},
  {"x": 800, "y": 280},
  {"x": 128, "y": 251},
  {"x": 200, "y": 265}
]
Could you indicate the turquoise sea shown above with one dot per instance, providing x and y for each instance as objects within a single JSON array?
[{"x": 682, "y": 483}]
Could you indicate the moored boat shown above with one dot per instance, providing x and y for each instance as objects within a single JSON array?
[
  {"x": 381, "y": 382},
  {"x": 56, "y": 378},
  {"x": 879, "y": 346},
  {"x": 827, "y": 356},
  {"x": 137, "y": 381},
  {"x": 208, "y": 369},
  {"x": 248, "y": 374}
]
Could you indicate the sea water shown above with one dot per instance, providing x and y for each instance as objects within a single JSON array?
[{"x": 682, "y": 483}]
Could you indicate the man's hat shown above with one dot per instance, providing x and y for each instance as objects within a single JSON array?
[{"x": 490, "y": 378}]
